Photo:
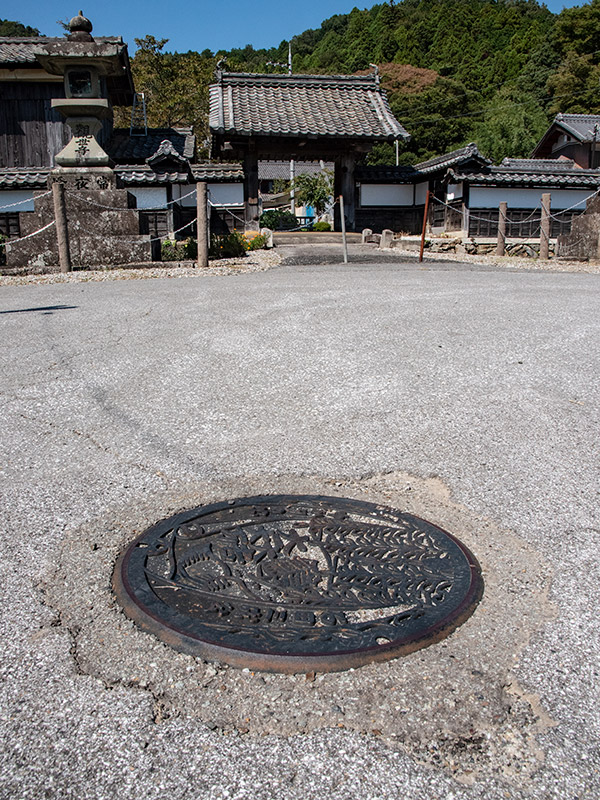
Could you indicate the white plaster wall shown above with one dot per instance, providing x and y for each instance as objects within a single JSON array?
[
  {"x": 421, "y": 190},
  {"x": 15, "y": 196},
  {"x": 454, "y": 191},
  {"x": 386, "y": 194},
  {"x": 491, "y": 197},
  {"x": 226, "y": 194},
  {"x": 150, "y": 196},
  {"x": 182, "y": 189}
]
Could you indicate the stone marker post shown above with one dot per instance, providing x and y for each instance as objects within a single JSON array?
[
  {"x": 62, "y": 230},
  {"x": 545, "y": 228},
  {"x": 501, "y": 245},
  {"x": 202, "y": 224}
]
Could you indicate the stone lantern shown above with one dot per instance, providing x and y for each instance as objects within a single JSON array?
[{"x": 85, "y": 66}]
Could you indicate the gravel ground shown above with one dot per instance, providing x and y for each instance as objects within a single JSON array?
[
  {"x": 295, "y": 254},
  {"x": 256, "y": 261},
  {"x": 465, "y": 393}
]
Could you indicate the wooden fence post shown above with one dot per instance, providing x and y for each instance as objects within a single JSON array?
[
  {"x": 501, "y": 245},
  {"x": 62, "y": 231},
  {"x": 424, "y": 226},
  {"x": 545, "y": 228},
  {"x": 202, "y": 224}
]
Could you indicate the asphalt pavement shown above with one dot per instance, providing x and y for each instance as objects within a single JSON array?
[{"x": 467, "y": 395}]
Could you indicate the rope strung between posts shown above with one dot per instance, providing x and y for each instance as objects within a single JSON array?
[
  {"x": 227, "y": 211},
  {"x": 529, "y": 219},
  {"x": 585, "y": 199},
  {"x": 113, "y": 208},
  {"x": 28, "y": 200},
  {"x": 152, "y": 239},
  {"x": 29, "y": 235}
]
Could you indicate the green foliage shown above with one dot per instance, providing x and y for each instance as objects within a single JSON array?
[
  {"x": 315, "y": 190},
  {"x": 10, "y": 28},
  {"x": 231, "y": 245},
  {"x": 281, "y": 185},
  {"x": 494, "y": 69},
  {"x": 178, "y": 251},
  {"x": 512, "y": 125},
  {"x": 257, "y": 243},
  {"x": 278, "y": 220},
  {"x": 321, "y": 226},
  {"x": 175, "y": 86}
]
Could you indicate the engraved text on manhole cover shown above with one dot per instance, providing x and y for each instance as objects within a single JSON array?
[{"x": 295, "y": 583}]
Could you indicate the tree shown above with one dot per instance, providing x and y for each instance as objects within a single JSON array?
[
  {"x": 175, "y": 85},
  {"x": 512, "y": 125},
  {"x": 315, "y": 190},
  {"x": 10, "y": 28}
]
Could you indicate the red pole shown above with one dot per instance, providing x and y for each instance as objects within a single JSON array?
[{"x": 424, "y": 226}]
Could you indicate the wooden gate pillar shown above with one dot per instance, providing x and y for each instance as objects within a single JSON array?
[
  {"x": 251, "y": 190},
  {"x": 344, "y": 184}
]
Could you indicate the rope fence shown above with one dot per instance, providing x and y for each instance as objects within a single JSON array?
[{"x": 27, "y": 200}]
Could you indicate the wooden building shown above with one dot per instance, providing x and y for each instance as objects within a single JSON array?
[
  {"x": 574, "y": 136},
  {"x": 394, "y": 197},
  {"x": 336, "y": 118}
]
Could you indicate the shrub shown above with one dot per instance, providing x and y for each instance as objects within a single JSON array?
[
  {"x": 278, "y": 220},
  {"x": 257, "y": 242},
  {"x": 321, "y": 226},
  {"x": 232, "y": 245},
  {"x": 178, "y": 251}
]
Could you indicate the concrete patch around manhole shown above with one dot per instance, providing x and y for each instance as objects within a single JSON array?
[
  {"x": 297, "y": 583},
  {"x": 453, "y": 704}
]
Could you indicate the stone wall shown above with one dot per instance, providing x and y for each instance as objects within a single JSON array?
[
  {"x": 584, "y": 239},
  {"x": 103, "y": 225}
]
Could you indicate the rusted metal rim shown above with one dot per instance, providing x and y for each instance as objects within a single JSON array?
[{"x": 291, "y": 583}]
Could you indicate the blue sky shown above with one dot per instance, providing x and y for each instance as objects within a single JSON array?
[{"x": 193, "y": 24}]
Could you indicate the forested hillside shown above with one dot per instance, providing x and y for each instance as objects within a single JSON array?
[{"x": 490, "y": 71}]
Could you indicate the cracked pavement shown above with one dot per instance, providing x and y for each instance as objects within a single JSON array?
[{"x": 466, "y": 395}]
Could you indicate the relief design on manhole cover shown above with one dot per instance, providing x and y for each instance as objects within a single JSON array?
[{"x": 292, "y": 583}]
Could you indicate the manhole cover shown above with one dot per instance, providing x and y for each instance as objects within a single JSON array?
[{"x": 296, "y": 584}]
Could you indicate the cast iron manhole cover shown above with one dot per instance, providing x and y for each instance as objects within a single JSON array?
[{"x": 296, "y": 584}]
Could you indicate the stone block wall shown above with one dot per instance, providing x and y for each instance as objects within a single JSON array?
[
  {"x": 103, "y": 225},
  {"x": 584, "y": 239}
]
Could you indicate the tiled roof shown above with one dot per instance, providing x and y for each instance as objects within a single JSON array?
[
  {"x": 581, "y": 126},
  {"x": 453, "y": 158},
  {"x": 145, "y": 176},
  {"x": 24, "y": 178},
  {"x": 218, "y": 172},
  {"x": 342, "y": 106},
  {"x": 539, "y": 165},
  {"x": 21, "y": 50},
  {"x": 126, "y": 149},
  {"x": 502, "y": 176},
  {"x": 388, "y": 174},
  {"x": 270, "y": 170}
]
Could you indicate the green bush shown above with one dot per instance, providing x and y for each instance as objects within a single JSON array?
[
  {"x": 278, "y": 220},
  {"x": 257, "y": 243},
  {"x": 178, "y": 251},
  {"x": 231, "y": 245},
  {"x": 321, "y": 226}
]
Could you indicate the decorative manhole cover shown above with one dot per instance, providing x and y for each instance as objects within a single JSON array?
[{"x": 296, "y": 584}]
